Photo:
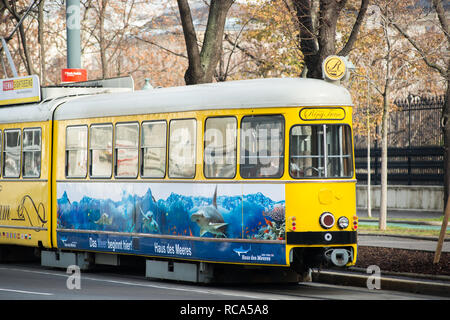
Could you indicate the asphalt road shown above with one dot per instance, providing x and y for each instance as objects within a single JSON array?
[{"x": 33, "y": 282}]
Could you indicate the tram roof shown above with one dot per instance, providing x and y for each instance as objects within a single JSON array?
[
  {"x": 258, "y": 93},
  {"x": 33, "y": 112}
]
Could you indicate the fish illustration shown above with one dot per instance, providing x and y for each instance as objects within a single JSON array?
[
  {"x": 104, "y": 220},
  {"x": 241, "y": 250},
  {"x": 276, "y": 214},
  {"x": 268, "y": 222},
  {"x": 209, "y": 219},
  {"x": 149, "y": 222}
]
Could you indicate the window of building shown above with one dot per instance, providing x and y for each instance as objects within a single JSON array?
[
  {"x": 153, "y": 146},
  {"x": 100, "y": 148},
  {"x": 11, "y": 153},
  {"x": 76, "y": 151},
  {"x": 31, "y": 153},
  {"x": 262, "y": 147},
  {"x": 127, "y": 150},
  {"x": 320, "y": 151},
  {"x": 220, "y": 147},
  {"x": 182, "y": 146}
]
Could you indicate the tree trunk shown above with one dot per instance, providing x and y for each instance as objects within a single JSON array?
[
  {"x": 212, "y": 43},
  {"x": 446, "y": 134},
  {"x": 384, "y": 128},
  {"x": 41, "y": 42},
  {"x": 203, "y": 64},
  {"x": 194, "y": 71},
  {"x": 316, "y": 46},
  {"x": 384, "y": 147},
  {"x": 308, "y": 40},
  {"x": 102, "y": 40},
  {"x": 329, "y": 13}
]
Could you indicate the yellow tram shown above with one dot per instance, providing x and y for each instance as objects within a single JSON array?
[{"x": 253, "y": 172}]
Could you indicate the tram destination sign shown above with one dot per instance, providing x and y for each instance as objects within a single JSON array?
[
  {"x": 20, "y": 90},
  {"x": 317, "y": 114}
]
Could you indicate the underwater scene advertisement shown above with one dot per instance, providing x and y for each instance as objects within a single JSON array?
[{"x": 194, "y": 212}]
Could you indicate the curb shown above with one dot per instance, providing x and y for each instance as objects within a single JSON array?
[
  {"x": 429, "y": 238},
  {"x": 413, "y": 222},
  {"x": 430, "y": 277},
  {"x": 387, "y": 282}
]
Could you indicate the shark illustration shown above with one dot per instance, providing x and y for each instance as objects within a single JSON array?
[
  {"x": 209, "y": 219},
  {"x": 241, "y": 250}
]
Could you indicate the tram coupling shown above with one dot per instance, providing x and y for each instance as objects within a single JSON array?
[{"x": 339, "y": 257}]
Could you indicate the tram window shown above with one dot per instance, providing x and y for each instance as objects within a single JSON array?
[
  {"x": 1, "y": 153},
  {"x": 76, "y": 151},
  {"x": 31, "y": 153},
  {"x": 339, "y": 151},
  {"x": 182, "y": 146},
  {"x": 153, "y": 146},
  {"x": 220, "y": 147},
  {"x": 126, "y": 150},
  {"x": 11, "y": 154},
  {"x": 100, "y": 148},
  {"x": 310, "y": 159},
  {"x": 262, "y": 147}
]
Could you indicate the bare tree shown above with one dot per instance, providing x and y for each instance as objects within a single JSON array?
[
  {"x": 203, "y": 63},
  {"x": 108, "y": 22}
]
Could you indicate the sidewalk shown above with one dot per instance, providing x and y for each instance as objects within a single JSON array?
[{"x": 401, "y": 214}]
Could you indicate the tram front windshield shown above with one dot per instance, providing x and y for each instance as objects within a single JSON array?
[{"x": 320, "y": 151}]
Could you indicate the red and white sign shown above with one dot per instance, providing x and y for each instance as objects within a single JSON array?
[{"x": 73, "y": 75}]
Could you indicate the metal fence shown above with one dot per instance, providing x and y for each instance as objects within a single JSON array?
[{"x": 415, "y": 145}]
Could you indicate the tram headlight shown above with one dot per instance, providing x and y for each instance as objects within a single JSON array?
[{"x": 343, "y": 222}]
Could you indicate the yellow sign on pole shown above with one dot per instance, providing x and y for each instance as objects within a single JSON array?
[{"x": 334, "y": 68}]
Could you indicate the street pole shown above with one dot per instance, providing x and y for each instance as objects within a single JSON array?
[{"x": 73, "y": 34}]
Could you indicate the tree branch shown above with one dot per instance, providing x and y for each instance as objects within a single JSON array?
[
  {"x": 190, "y": 37},
  {"x": 429, "y": 63},
  {"x": 437, "y": 4},
  {"x": 161, "y": 47},
  {"x": 354, "y": 34}
]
